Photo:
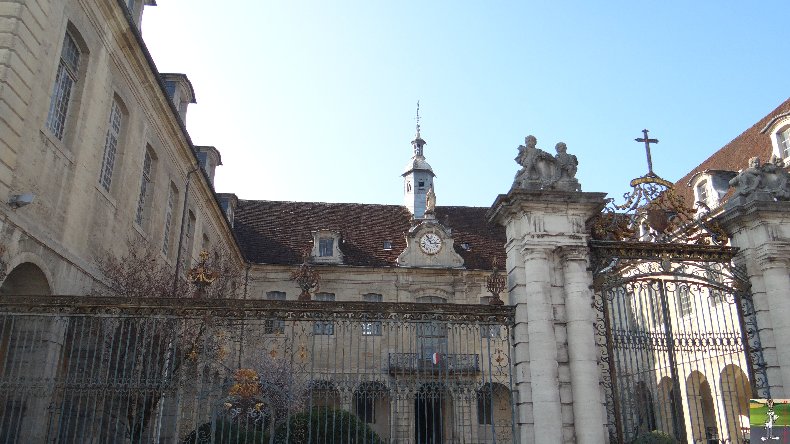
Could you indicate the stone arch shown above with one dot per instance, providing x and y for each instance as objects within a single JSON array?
[
  {"x": 494, "y": 412},
  {"x": 433, "y": 411},
  {"x": 27, "y": 278},
  {"x": 371, "y": 404},
  {"x": 701, "y": 409},
  {"x": 735, "y": 391},
  {"x": 667, "y": 412},
  {"x": 322, "y": 392},
  {"x": 645, "y": 408}
]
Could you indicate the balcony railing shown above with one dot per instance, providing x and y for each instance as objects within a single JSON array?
[{"x": 404, "y": 363}]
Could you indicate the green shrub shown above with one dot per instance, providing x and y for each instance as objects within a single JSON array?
[
  {"x": 654, "y": 437},
  {"x": 325, "y": 425},
  {"x": 227, "y": 432}
]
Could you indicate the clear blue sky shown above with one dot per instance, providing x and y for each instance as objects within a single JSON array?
[{"x": 315, "y": 100}]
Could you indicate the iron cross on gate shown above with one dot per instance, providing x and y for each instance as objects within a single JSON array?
[{"x": 647, "y": 142}]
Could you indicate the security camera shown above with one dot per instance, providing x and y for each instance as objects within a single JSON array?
[{"x": 20, "y": 200}]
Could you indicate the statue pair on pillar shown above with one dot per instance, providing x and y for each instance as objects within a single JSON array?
[
  {"x": 769, "y": 181},
  {"x": 542, "y": 171}
]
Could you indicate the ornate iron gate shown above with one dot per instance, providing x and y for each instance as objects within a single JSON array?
[
  {"x": 83, "y": 369},
  {"x": 680, "y": 350}
]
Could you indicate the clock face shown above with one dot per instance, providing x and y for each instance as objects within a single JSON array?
[{"x": 431, "y": 243}]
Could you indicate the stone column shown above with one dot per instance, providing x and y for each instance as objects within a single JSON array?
[
  {"x": 582, "y": 351},
  {"x": 544, "y": 369},
  {"x": 555, "y": 357},
  {"x": 761, "y": 230}
]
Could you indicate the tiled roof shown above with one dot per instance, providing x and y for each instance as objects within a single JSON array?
[
  {"x": 735, "y": 155},
  {"x": 275, "y": 232}
]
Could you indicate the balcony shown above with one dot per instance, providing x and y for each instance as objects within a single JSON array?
[{"x": 408, "y": 363}]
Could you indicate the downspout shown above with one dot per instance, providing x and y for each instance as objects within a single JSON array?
[{"x": 181, "y": 231}]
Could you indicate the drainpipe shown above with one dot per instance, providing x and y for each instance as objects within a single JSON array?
[{"x": 181, "y": 231}]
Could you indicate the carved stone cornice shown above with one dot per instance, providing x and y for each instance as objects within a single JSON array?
[{"x": 517, "y": 202}]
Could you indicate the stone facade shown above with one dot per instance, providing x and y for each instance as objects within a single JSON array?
[{"x": 74, "y": 218}]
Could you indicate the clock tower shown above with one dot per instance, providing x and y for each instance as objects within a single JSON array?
[{"x": 417, "y": 176}]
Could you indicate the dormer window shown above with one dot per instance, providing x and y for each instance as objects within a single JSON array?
[
  {"x": 387, "y": 245},
  {"x": 326, "y": 247}
]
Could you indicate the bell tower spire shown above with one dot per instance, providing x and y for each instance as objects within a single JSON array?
[{"x": 418, "y": 176}]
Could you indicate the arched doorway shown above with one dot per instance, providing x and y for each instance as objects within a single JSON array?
[
  {"x": 432, "y": 414},
  {"x": 702, "y": 414},
  {"x": 372, "y": 405},
  {"x": 25, "y": 279},
  {"x": 493, "y": 413},
  {"x": 736, "y": 392},
  {"x": 645, "y": 410}
]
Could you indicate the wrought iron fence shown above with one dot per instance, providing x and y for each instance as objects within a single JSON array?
[{"x": 81, "y": 369}]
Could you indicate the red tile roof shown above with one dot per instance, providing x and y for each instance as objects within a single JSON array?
[
  {"x": 275, "y": 232},
  {"x": 735, "y": 155}
]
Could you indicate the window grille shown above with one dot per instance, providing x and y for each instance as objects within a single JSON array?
[
  {"x": 145, "y": 184},
  {"x": 110, "y": 146},
  {"x": 65, "y": 79}
]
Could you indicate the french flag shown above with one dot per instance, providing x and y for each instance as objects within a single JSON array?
[{"x": 435, "y": 358}]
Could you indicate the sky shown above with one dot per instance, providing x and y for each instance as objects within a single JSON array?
[{"x": 316, "y": 100}]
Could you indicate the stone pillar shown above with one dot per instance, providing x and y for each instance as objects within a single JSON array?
[
  {"x": 555, "y": 358},
  {"x": 582, "y": 350},
  {"x": 760, "y": 228}
]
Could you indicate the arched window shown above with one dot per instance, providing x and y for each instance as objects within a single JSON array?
[
  {"x": 146, "y": 187},
  {"x": 113, "y": 135},
  {"x": 72, "y": 55}
]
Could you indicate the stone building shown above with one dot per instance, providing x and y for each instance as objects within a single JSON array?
[{"x": 401, "y": 332}]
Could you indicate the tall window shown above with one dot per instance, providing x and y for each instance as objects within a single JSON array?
[
  {"x": 684, "y": 300},
  {"x": 143, "y": 202},
  {"x": 702, "y": 192},
  {"x": 274, "y": 326},
  {"x": 784, "y": 142},
  {"x": 371, "y": 328},
  {"x": 171, "y": 200},
  {"x": 66, "y": 77},
  {"x": 324, "y": 327},
  {"x": 110, "y": 145}
]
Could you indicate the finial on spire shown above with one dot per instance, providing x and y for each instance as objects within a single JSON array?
[{"x": 418, "y": 119}]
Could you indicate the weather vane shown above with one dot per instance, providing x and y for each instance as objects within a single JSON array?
[{"x": 418, "y": 118}]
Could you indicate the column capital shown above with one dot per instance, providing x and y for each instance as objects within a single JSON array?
[
  {"x": 532, "y": 252},
  {"x": 574, "y": 252},
  {"x": 773, "y": 255}
]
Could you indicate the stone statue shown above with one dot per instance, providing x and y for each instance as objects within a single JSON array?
[
  {"x": 566, "y": 163},
  {"x": 761, "y": 182},
  {"x": 542, "y": 171},
  {"x": 430, "y": 201}
]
